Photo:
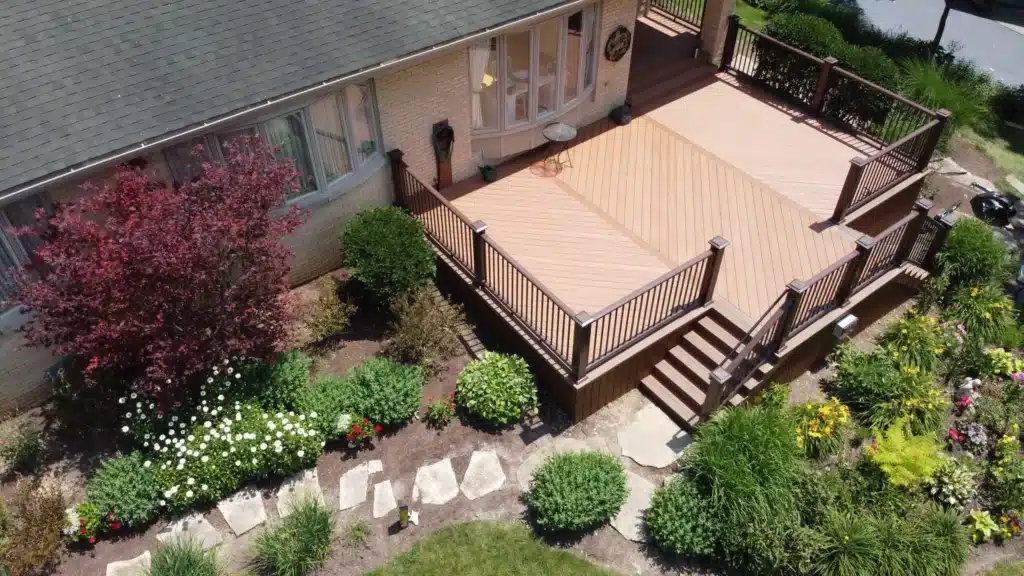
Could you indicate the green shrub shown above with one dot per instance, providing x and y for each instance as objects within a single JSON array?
[
  {"x": 387, "y": 253},
  {"x": 32, "y": 529},
  {"x": 972, "y": 256},
  {"x": 983, "y": 310},
  {"x": 789, "y": 73},
  {"x": 22, "y": 449},
  {"x": 424, "y": 330},
  {"x": 746, "y": 465},
  {"x": 821, "y": 427},
  {"x": 386, "y": 392},
  {"x": 329, "y": 315},
  {"x": 497, "y": 388},
  {"x": 328, "y": 398},
  {"x": 679, "y": 521},
  {"x": 1007, "y": 103},
  {"x": 276, "y": 385},
  {"x": 126, "y": 488},
  {"x": 1006, "y": 482},
  {"x": 299, "y": 545},
  {"x": 183, "y": 557},
  {"x": 822, "y": 491},
  {"x": 949, "y": 541},
  {"x": 940, "y": 86},
  {"x": 775, "y": 396},
  {"x": 850, "y": 545},
  {"x": 916, "y": 340},
  {"x": 878, "y": 392},
  {"x": 906, "y": 460},
  {"x": 806, "y": 32},
  {"x": 577, "y": 491}
]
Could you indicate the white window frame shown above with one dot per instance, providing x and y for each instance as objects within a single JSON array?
[
  {"x": 14, "y": 249},
  {"x": 582, "y": 90}
]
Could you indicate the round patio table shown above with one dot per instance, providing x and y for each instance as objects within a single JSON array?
[{"x": 559, "y": 135}]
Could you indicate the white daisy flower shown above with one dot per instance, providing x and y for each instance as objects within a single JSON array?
[
  {"x": 300, "y": 453},
  {"x": 263, "y": 445},
  {"x": 190, "y": 481},
  {"x": 188, "y": 494},
  {"x": 124, "y": 429},
  {"x": 204, "y": 459},
  {"x": 147, "y": 464},
  {"x": 120, "y": 400},
  {"x": 312, "y": 414},
  {"x": 134, "y": 395}
]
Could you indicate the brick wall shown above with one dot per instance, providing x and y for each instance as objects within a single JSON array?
[
  {"x": 612, "y": 77},
  {"x": 411, "y": 100}
]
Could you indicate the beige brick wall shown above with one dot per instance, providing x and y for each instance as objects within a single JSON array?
[
  {"x": 612, "y": 77},
  {"x": 411, "y": 100},
  {"x": 317, "y": 243},
  {"x": 22, "y": 373}
]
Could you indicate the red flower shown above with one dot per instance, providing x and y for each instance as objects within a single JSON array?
[
  {"x": 116, "y": 526},
  {"x": 355, "y": 428},
  {"x": 82, "y": 530},
  {"x": 110, "y": 517},
  {"x": 378, "y": 428},
  {"x": 92, "y": 539},
  {"x": 452, "y": 395},
  {"x": 81, "y": 522},
  {"x": 351, "y": 436},
  {"x": 430, "y": 399},
  {"x": 366, "y": 420}
]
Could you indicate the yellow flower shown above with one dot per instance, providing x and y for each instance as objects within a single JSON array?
[
  {"x": 813, "y": 434},
  {"x": 939, "y": 351},
  {"x": 987, "y": 315},
  {"x": 975, "y": 291}
]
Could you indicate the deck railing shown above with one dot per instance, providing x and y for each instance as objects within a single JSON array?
[
  {"x": 915, "y": 239},
  {"x": 906, "y": 132},
  {"x": 689, "y": 11},
  {"x": 576, "y": 342}
]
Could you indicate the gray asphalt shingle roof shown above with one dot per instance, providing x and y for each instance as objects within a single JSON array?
[{"x": 82, "y": 79}]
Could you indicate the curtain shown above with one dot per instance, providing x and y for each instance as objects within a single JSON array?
[
  {"x": 288, "y": 133},
  {"x": 479, "y": 54}
]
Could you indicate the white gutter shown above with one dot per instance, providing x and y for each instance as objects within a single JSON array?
[{"x": 323, "y": 86}]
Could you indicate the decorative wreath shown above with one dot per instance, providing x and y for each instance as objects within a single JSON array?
[{"x": 618, "y": 44}]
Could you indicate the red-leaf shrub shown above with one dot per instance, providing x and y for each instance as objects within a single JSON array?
[{"x": 151, "y": 285}]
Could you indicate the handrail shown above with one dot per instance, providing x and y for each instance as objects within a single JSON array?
[
  {"x": 783, "y": 45},
  {"x": 832, "y": 268},
  {"x": 749, "y": 334},
  {"x": 844, "y": 72},
  {"x": 931, "y": 124},
  {"x": 893, "y": 228},
  {"x": 640, "y": 291},
  {"x": 438, "y": 195},
  {"x": 533, "y": 280},
  {"x": 755, "y": 340}
]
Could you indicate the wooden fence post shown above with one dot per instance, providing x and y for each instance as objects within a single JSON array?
[
  {"x": 717, "y": 385},
  {"x": 718, "y": 245},
  {"x": 823, "y": 79},
  {"x": 942, "y": 115},
  {"x": 479, "y": 254},
  {"x": 943, "y": 225},
  {"x": 794, "y": 296},
  {"x": 581, "y": 345},
  {"x": 849, "y": 188},
  {"x": 855, "y": 269},
  {"x": 398, "y": 167},
  {"x": 921, "y": 206},
  {"x": 730, "y": 41}
]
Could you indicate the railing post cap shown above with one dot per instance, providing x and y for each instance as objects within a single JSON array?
[
  {"x": 734, "y": 18},
  {"x": 923, "y": 205},
  {"x": 479, "y": 226},
  {"x": 831, "y": 60},
  {"x": 720, "y": 375},
  {"x": 946, "y": 220},
  {"x": 943, "y": 113},
  {"x": 865, "y": 243},
  {"x": 583, "y": 318},
  {"x": 395, "y": 154},
  {"x": 798, "y": 286},
  {"x": 718, "y": 243},
  {"x": 859, "y": 161}
]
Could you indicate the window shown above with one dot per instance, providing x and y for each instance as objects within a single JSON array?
[
  {"x": 328, "y": 140},
  {"x": 530, "y": 75},
  {"x": 16, "y": 251}
]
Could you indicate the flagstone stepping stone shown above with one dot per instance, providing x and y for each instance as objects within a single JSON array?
[
  {"x": 243, "y": 511},
  {"x": 630, "y": 520},
  {"x": 484, "y": 474},
  {"x": 530, "y": 464},
  {"x": 437, "y": 483},
  {"x": 374, "y": 466},
  {"x": 194, "y": 527},
  {"x": 653, "y": 439},
  {"x": 383, "y": 499},
  {"x": 137, "y": 566},
  {"x": 352, "y": 487},
  {"x": 302, "y": 485}
]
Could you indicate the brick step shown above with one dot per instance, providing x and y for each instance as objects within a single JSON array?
[{"x": 676, "y": 409}]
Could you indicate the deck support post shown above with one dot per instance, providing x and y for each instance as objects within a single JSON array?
[
  {"x": 398, "y": 167},
  {"x": 717, "y": 385},
  {"x": 921, "y": 206},
  {"x": 942, "y": 115},
  {"x": 853, "y": 272},
  {"x": 823, "y": 79},
  {"x": 729, "y": 46},
  {"x": 581, "y": 345},
  {"x": 943, "y": 225},
  {"x": 795, "y": 291},
  {"x": 479, "y": 254},
  {"x": 714, "y": 266},
  {"x": 849, "y": 188}
]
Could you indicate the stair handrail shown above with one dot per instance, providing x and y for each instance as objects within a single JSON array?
[{"x": 750, "y": 333}]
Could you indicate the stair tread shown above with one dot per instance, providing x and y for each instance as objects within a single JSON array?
[
  {"x": 691, "y": 364},
  {"x": 676, "y": 408},
  {"x": 732, "y": 318},
  {"x": 721, "y": 333},
  {"x": 703, "y": 346},
  {"x": 689, "y": 391}
]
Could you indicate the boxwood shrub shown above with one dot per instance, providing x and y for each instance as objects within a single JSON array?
[
  {"x": 385, "y": 392},
  {"x": 125, "y": 488},
  {"x": 387, "y": 253},
  {"x": 679, "y": 521},
  {"x": 497, "y": 388},
  {"x": 577, "y": 491}
]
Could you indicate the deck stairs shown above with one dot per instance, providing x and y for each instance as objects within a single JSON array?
[{"x": 679, "y": 382}]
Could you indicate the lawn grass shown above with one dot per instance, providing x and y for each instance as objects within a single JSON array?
[
  {"x": 486, "y": 549},
  {"x": 1007, "y": 569},
  {"x": 1006, "y": 155},
  {"x": 751, "y": 16}
]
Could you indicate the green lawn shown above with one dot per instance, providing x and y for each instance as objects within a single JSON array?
[
  {"x": 1007, "y": 569},
  {"x": 487, "y": 549},
  {"x": 750, "y": 16},
  {"x": 1008, "y": 157}
]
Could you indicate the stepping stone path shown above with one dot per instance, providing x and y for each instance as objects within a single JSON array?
[
  {"x": 301, "y": 485},
  {"x": 436, "y": 483},
  {"x": 383, "y": 499},
  {"x": 352, "y": 488},
  {"x": 630, "y": 519},
  {"x": 483, "y": 476},
  {"x": 137, "y": 566},
  {"x": 243, "y": 511},
  {"x": 374, "y": 466},
  {"x": 653, "y": 439},
  {"x": 194, "y": 527}
]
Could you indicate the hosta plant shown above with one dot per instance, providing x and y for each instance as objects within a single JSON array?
[
  {"x": 953, "y": 484},
  {"x": 497, "y": 388},
  {"x": 1003, "y": 363},
  {"x": 982, "y": 526}
]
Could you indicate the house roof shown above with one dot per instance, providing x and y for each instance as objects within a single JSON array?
[{"x": 83, "y": 79}]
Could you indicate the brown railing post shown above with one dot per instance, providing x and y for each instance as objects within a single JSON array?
[
  {"x": 922, "y": 206},
  {"x": 479, "y": 254},
  {"x": 718, "y": 245},
  {"x": 855, "y": 269},
  {"x": 942, "y": 115},
  {"x": 823, "y": 79},
  {"x": 730, "y": 41},
  {"x": 398, "y": 167},
  {"x": 795, "y": 291},
  {"x": 849, "y": 188},
  {"x": 717, "y": 385},
  {"x": 581, "y": 344},
  {"x": 943, "y": 224}
]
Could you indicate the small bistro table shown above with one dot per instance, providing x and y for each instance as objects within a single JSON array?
[{"x": 559, "y": 135}]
